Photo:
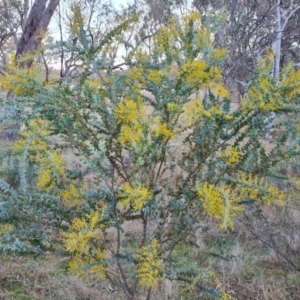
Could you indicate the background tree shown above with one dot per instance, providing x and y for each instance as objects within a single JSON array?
[
  {"x": 84, "y": 24},
  {"x": 253, "y": 27},
  {"x": 35, "y": 27},
  {"x": 13, "y": 17},
  {"x": 32, "y": 22}
]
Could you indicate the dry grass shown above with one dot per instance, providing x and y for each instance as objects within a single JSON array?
[
  {"x": 23, "y": 278},
  {"x": 26, "y": 278},
  {"x": 249, "y": 269},
  {"x": 251, "y": 273}
]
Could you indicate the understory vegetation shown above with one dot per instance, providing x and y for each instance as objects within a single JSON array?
[{"x": 148, "y": 181}]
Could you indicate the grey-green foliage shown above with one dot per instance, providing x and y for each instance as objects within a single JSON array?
[{"x": 36, "y": 216}]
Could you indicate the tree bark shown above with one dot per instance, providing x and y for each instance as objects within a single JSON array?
[
  {"x": 35, "y": 27},
  {"x": 277, "y": 43},
  {"x": 282, "y": 18}
]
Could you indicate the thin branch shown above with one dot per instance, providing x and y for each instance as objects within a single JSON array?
[
  {"x": 126, "y": 288},
  {"x": 149, "y": 294},
  {"x": 288, "y": 17}
]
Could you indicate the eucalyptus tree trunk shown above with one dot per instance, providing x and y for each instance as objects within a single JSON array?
[
  {"x": 282, "y": 17},
  {"x": 277, "y": 43},
  {"x": 35, "y": 27}
]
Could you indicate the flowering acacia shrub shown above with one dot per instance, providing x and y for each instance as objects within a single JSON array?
[{"x": 161, "y": 163}]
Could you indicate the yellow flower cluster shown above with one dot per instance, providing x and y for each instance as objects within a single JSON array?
[
  {"x": 149, "y": 265},
  {"x": 203, "y": 41},
  {"x": 212, "y": 112},
  {"x": 290, "y": 83},
  {"x": 222, "y": 202},
  {"x": 135, "y": 195},
  {"x": 173, "y": 107},
  {"x": 194, "y": 111},
  {"x": 45, "y": 181},
  {"x": 219, "y": 54},
  {"x": 82, "y": 233},
  {"x": 264, "y": 95},
  {"x": 128, "y": 111},
  {"x": 36, "y": 145},
  {"x": 165, "y": 37},
  {"x": 218, "y": 203},
  {"x": 4, "y": 228},
  {"x": 217, "y": 88},
  {"x": 40, "y": 127},
  {"x": 136, "y": 123},
  {"x": 251, "y": 187},
  {"x": 16, "y": 79},
  {"x": 51, "y": 162},
  {"x": 131, "y": 134},
  {"x": 194, "y": 16},
  {"x": 136, "y": 76},
  {"x": 204, "y": 38},
  {"x": 232, "y": 155},
  {"x": 52, "y": 167},
  {"x": 77, "y": 18},
  {"x": 72, "y": 196},
  {"x": 199, "y": 75},
  {"x": 210, "y": 277},
  {"x": 129, "y": 114},
  {"x": 155, "y": 76},
  {"x": 161, "y": 130},
  {"x": 269, "y": 95},
  {"x": 36, "y": 130},
  {"x": 196, "y": 73}
]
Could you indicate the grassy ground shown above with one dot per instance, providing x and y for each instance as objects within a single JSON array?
[
  {"x": 252, "y": 275},
  {"x": 25, "y": 278},
  {"x": 250, "y": 270}
]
